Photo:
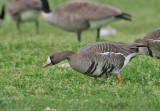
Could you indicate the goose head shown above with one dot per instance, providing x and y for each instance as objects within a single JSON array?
[
  {"x": 57, "y": 57},
  {"x": 2, "y": 15},
  {"x": 45, "y": 6}
]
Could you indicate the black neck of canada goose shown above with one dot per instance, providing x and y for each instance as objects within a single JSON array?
[
  {"x": 45, "y": 5},
  {"x": 2, "y": 13}
]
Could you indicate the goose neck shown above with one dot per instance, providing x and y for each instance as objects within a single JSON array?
[
  {"x": 2, "y": 15},
  {"x": 45, "y": 6},
  {"x": 67, "y": 54}
]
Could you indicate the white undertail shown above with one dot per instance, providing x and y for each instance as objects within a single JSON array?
[{"x": 98, "y": 23}]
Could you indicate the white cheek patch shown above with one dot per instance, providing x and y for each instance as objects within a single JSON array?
[{"x": 49, "y": 60}]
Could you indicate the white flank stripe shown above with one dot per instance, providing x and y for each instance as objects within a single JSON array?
[
  {"x": 107, "y": 53},
  {"x": 156, "y": 40}
]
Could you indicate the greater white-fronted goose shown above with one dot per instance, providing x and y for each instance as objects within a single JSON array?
[
  {"x": 152, "y": 41},
  {"x": 76, "y": 16},
  {"x": 101, "y": 59},
  {"x": 24, "y": 10}
]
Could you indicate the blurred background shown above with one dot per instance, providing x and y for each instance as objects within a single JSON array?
[{"x": 145, "y": 18}]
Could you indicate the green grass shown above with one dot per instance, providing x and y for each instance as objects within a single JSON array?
[{"x": 26, "y": 86}]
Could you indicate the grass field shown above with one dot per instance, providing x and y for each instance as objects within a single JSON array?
[{"x": 26, "y": 86}]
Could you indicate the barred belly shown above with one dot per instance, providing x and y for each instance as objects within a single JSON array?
[{"x": 97, "y": 70}]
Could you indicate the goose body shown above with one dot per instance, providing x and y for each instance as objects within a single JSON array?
[
  {"x": 77, "y": 16},
  {"x": 24, "y": 10},
  {"x": 152, "y": 41},
  {"x": 101, "y": 59}
]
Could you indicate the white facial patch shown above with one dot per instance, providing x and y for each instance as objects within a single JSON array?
[{"x": 49, "y": 61}]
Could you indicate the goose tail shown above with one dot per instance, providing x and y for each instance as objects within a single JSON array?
[{"x": 125, "y": 16}]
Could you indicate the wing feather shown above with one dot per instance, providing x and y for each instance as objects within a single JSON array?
[
  {"x": 88, "y": 9},
  {"x": 17, "y": 6},
  {"x": 104, "y": 47}
]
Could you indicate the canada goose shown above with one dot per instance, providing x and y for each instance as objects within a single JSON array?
[
  {"x": 76, "y": 16},
  {"x": 152, "y": 41},
  {"x": 101, "y": 59},
  {"x": 24, "y": 10}
]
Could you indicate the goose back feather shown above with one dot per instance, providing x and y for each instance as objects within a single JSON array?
[
  {"x": 154, "y": 48},
  {"x": 103, "y": 47},
  {"x": 14, "y": 7},
  {"x": 152, "y": 41},
  {"x": 155, "y": 35},
  {"x": 88, "y": 10}
]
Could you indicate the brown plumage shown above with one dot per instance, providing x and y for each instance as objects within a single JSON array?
[
  {"x": 24, "y": 10},
  {"x": 152, "y": 41},
  {"x": 88, "y": 10},
  {"x": 154, "y": 47},
  {"x": 76, "y": 16},
  {"x": 15, "y": 7},
  {"x": 101, "y": 59},
  {"x": 155, "y": 34}
]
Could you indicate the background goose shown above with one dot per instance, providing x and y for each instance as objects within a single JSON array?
[
  {"x": 101, "y": 59},
  {"x": 23, "y": 10},
  {"x": 2, "y": 15},
  {"x": 152, "y": 41},
  {"x": 76, "y": 16}
]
